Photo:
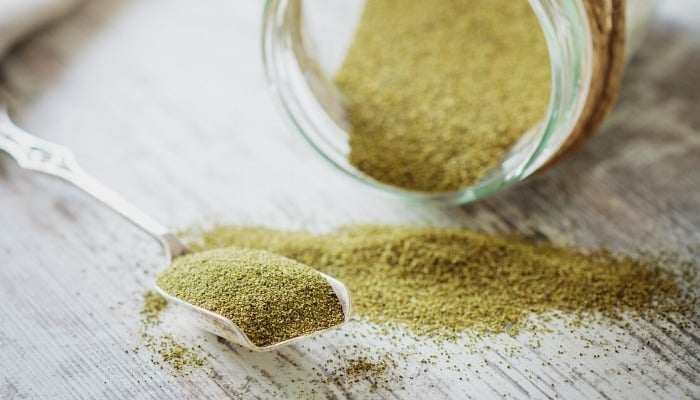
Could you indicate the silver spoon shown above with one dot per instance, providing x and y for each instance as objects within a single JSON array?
[{"x": 36, "y": 154}]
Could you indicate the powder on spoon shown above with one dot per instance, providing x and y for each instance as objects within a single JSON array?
[
  {"x": 271, "y": 298},
  {"x": 437, "y": 91}
]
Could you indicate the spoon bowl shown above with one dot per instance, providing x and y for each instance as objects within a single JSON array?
[{"x": 227, "y": 329}]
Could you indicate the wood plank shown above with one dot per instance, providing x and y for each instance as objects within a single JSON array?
[{"x": 165, "y": 101}]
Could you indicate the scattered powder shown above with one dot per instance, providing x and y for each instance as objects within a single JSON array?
[
  {"x": 270, "y": 297},
  {"x": 438, "y": 91},
  {"x": 361, "y": 368},
  {"x": 445, "y": 283},
  {"x": 153, "y": 304},
  {"x": 179, "y": 357},
  {"x": 177, "y": 354}
]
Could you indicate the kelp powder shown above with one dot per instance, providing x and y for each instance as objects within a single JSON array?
[
  {"x": 271, "y": 298},
  {"x": 437, "y": 91},
  {"x": 181, "y": 358},
  {"x": 444, "y": 282}
]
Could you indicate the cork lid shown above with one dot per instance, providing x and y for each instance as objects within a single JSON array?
[{"x": 607, "y": 20}]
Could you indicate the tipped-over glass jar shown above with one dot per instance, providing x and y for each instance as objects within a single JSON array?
[{"x": 588, "y": 41}]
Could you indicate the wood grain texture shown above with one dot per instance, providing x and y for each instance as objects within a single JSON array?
[{"x": 165, "y": 101}]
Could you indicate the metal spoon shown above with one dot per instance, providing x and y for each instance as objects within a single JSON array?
[{"x": 40, "y": 155}]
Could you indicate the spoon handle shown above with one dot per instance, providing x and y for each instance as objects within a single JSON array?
[{"x": 40, "y": 155}]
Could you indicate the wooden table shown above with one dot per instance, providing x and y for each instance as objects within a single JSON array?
[{"x": 165, "y": 101}]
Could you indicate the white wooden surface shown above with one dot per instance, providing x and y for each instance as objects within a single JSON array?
[{"x": 165, "y": 101}]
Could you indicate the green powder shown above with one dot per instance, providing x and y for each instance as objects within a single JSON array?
[
  {"x": 179, "y": 356},
  {"x": 443, "y": 282},
  {"x": 153, "y": 304},
  {"x": 437, "y": 91},
  {"x": 362, "y": 368},
  {"x": 271, "y": 298}
]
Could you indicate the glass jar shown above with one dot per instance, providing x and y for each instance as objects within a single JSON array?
[{"x": 589, "y": 43}]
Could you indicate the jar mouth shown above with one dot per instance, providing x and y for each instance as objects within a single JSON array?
[{"x": 315, "y": 108}]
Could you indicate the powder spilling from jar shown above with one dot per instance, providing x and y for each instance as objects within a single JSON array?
[
  {"x": 269, "y": 297},
  {"x": 437, "y": 92},
  {"x": 443, "y": 282}
]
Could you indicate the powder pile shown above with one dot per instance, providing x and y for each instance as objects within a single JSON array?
[
  {"x": 436, "y": 92},
  {"x": 443, "y": 282},
  {"x": 271, "y": 298}
]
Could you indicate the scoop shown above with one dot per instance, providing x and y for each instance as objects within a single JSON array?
[
  {"x": 39, "y": 155},
  {"x": 224, "y": 327}
]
